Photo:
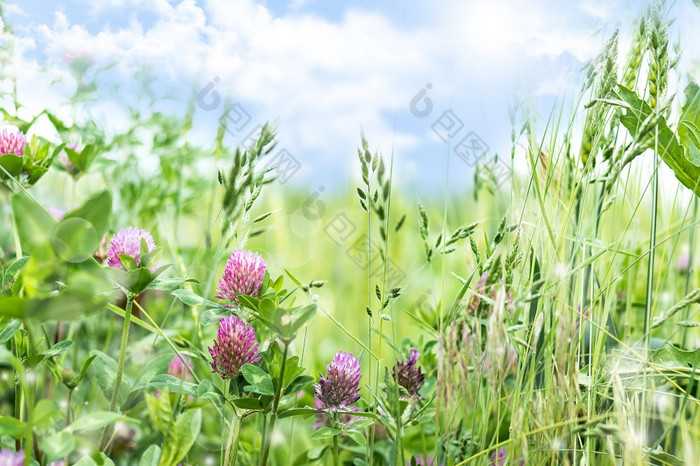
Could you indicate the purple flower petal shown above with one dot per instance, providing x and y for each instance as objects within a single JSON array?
[
  {"x": 12, "y": 141},
  {"x": 339, "y": 388},
  {"x": 235, "y": 346},
  {"x": 128, "y": 242},
  {"x": 243, "y": 274}
]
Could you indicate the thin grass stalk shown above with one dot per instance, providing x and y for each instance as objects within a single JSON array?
[
  {"x": 275, "y": 406},
  {"x": 650, "y": 274},
  {"x": 104, "y": 441},
  {"x": 690, "y": 271},
  {"x": 233, "y": 437},
  {"x": 336, "y": 451}
]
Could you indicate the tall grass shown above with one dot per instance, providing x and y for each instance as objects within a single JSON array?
[{"x": 595, "y": 382}]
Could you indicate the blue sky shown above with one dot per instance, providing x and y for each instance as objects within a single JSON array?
[{"x": 324, "y": 71}]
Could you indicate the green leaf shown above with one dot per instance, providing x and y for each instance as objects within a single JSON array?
[
  {"x": 293, "y": 278},
  {"x": 213, "y": 315},
  {"x": 86, "y": 366},
  {"x": 191, "y": 299},
  {"x": 267, "y": 307},
  {"x": 362, "y": 424},
  {"x": 151, "y": 456},
  {"x": 9, "y": 331},
  {"x": 44, "y": 413},
  {"x": 310, "y": 456},
  {"x": 170, "y": 284},
  {"x": 664, "y": 458},
  {"x": 250, "y": 302},
  {"x": 136, "y": 280},
  {"x": 12, "y": 427},
  {"x": 82, "y": 159},
  {"x": 15, "y": 268},
  {"x": 181, "y": 437},
  {"x": 690, "y": 112},
  {"x": 58, "y": 445},
  {"x": 66, "y": 306},
  {"x": 671, "y": 357},
  {"x": 102, "y": 460},
  {"x": 325, "y": 432},
  {"x": 148, "y": 259},
  {"x": 11, "y": 163},
  {"x": 301, "y": 315},
  {"x": 305, "y": 412},
  {"x": 292, "y": 370},
  {"x": 128, "y": 262},
  {"x": 357, "y": 437},
  {"x": 58, "y": 348},
  {"x": 259, "y": 380},
  {"x": 104, "y": 371},
  {"x": 35, "y": 173},
  {"x": 34, "y": 223},
  {"x": 75, "y": 240},
  {"x": 160, "y": 410},
  {"x": 173, "y": 384},
  {"x": 157, "y": 364},
  {"x": 298, "y": 384},
  {"x": 97, "y": 211},
  {"x": 248, "y": 403},
  {"x": 12, "y": 306},
  {"x": 209, "y": 391},
  {"x": 273, "y": 360},
  {"x": 262, "y": 217},
  {"x": 693, "y": 140},
  {"x": 670, "y": 151},
  {"x": 98, "y": 420}
]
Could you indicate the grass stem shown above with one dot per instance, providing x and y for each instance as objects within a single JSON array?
[{"x": 120, "y": 367}]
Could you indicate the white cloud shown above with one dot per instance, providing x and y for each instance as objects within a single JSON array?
[{"x": 325, "y": 79}]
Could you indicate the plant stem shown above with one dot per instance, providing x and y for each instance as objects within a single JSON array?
[
  {"x": 398, "y": 442},
  {"x": 652, "y": 248},
  {"x": 650, "y": 271},
  {"x": 18, "y": 395},
  {"x": 234, "y": 431},
  {"x": 232, "y": 444},
  {"x": 70, "y": 394},
  {"x": 398, "y": 455},
  {"x": 690, "y": 271},
  {"x": 336, "y": 451},
  {"x": 120, "y": 366},
  {"x": 273, "y": 417},
  {"x": 160, "y": 332}
]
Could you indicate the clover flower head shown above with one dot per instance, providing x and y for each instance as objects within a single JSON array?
[
  {"x": 408, "y": 374},
  {"x": 339, "y": 388},
  {"x": 178, "y": 368},
  {"x": 11, "y": 458},
  {"x": 683, "y": 264},
  {"x": 65, "y": 160},
  {"x": 128, "y": 242},
  {"x": 12, "y": 141},
  {"x": 243, "y": 274},
  {"x": 234, "y": 346}
]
